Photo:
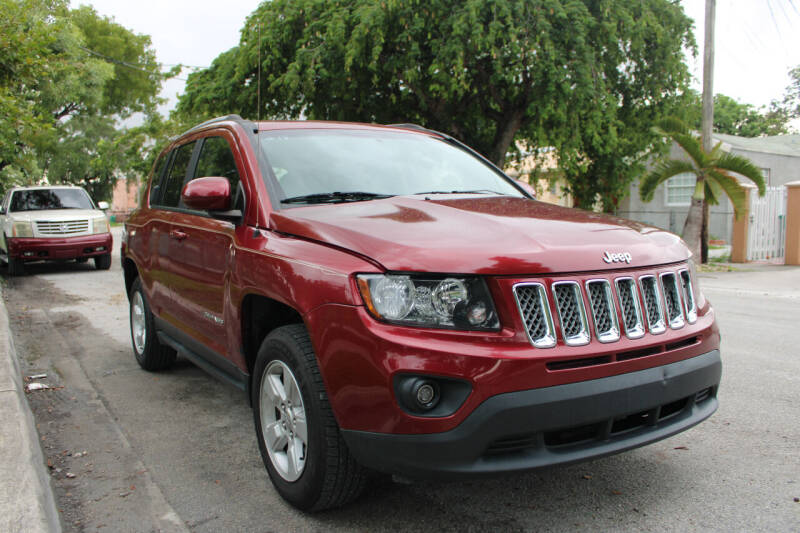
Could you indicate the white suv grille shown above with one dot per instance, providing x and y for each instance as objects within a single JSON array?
[{"x": 65, "y": 227}]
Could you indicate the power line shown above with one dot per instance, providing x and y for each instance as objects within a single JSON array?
[{"x": 136, "y": 67}]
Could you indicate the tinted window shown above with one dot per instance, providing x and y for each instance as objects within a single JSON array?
[
  {"x": 35, "y": 200},
  {"x": 173, "y": 184},
  {"x": 216, "y": 159},
  {"x": 155, "y": 187}
]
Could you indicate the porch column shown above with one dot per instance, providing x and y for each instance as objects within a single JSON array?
[
  {"x": 741, "y": 227},
  {"x": 793, "y": 223}
]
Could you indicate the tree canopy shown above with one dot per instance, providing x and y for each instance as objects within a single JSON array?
[
  {"x": 587, "y": 78},
  {"x": 745, "y": 120},
  {"x": 66, "y": 77}
]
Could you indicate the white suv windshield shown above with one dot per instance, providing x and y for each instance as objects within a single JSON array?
[
  {"x": 320, "y": 162},
  {"x": 40, "y": 199}
]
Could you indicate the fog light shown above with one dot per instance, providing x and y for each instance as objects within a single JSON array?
[
  {"x": 27, "y": 254},
  {"x": 426, "y": 394},
  {"x": 99, "y": 248}
]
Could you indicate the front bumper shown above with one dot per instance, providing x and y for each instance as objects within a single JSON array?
[
  {"x": 53, "y": 248},
  {"x": 561, "y": 424}
]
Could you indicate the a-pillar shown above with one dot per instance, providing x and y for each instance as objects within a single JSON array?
[
  {"x": 793, "y": 223},
  {"x": 741, "y": 226}
]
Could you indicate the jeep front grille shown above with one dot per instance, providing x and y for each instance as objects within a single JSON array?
[
  {"x": 66, "y": 227},
  {"x": 672, "y": 299},
  {"x": 604, "y": 314},
  {"x": 571, "y": 313},
  {"x": 652, "y": 305},
  {"x": 535, "y": 311},
  {"x": 650, "y": 302},
  {"x": 631, "y": 308}
]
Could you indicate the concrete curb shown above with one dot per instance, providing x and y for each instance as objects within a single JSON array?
[{"x": 26, "y": 495}]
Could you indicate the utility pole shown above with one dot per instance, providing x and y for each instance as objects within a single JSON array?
[
  {"x": 708, "y": 76},
  {"x": 708, "y": 112}
]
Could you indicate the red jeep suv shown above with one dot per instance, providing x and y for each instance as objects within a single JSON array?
[{"x": 390, "y": 301}]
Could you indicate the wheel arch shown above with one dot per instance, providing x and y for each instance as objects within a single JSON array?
[
  {"x": 131, "y": 272},
  {"x": 260, "y": 315}
]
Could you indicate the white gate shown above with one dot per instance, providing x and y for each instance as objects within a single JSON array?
[{"x": 766, "y": 237}]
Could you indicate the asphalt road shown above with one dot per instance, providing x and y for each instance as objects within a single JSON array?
[{"x": 176, "y": 451}]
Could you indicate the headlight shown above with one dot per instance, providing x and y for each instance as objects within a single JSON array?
[
  {"x": 429, "y": 301},
  {"x": 22, "y": 228},
  {"x": 100, "y": 225}
]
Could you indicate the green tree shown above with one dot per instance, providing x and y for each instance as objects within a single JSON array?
[
  {"x": 714, "y": 171},
  {"x": 585, "y": 77},
  {"x": 735, "y": 118},
  {"x": 28, "y": 38},
  {"x": 66, "y": 79}
]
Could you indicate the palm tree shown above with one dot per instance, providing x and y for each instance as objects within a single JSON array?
[{"x": 714, "y": 179}]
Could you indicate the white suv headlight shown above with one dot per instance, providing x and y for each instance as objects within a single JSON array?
[
  {"x": 22, "y": 228},
  {"x": 100, "y": 225}
]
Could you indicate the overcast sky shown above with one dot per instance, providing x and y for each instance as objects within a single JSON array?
[{"x": 757, "y": 41}]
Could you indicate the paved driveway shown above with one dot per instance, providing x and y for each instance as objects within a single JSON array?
[{"x": 176, "y": 451}]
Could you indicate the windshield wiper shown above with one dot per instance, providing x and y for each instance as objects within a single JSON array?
[
  {"x": 477, "y": 191},
  {"x": 334, "y": 197}
]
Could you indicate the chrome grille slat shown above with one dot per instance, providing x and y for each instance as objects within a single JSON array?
[
  {"x": 606, "y": 325},
  {"x": 631, "y": 308},
  {"x": 534, "y": 308},
  {"x": 63, "y": 227},
  {"x": 571, "y": 312},
  {"x": 672, "y": 300},
  {"x": 688, "y": 296},
  {"x": 652, "y": 305}
]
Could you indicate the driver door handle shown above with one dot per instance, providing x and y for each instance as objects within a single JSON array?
[{"x": 177, "y": 234}]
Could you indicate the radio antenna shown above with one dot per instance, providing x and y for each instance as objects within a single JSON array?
[{"x": 258, "y": 90}]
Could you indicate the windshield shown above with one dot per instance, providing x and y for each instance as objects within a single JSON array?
[
  {"x": 40, "y": 199},
  {"x": 374, "y": 163}
]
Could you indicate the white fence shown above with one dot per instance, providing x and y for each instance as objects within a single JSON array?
[{"x": 766, "y": 237}]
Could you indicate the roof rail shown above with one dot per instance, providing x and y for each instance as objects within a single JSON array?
[
  {"x": 246, "y": 124},
  {"x": 409, "y": 126}
]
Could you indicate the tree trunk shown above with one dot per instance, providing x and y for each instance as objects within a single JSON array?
[
  {"x": 704, "y": 234},
  {"x": 504, "y": 136},
  {"x": 694, "y": 221}
]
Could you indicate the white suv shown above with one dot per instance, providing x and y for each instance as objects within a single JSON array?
[{"x": 53, "y": 223}]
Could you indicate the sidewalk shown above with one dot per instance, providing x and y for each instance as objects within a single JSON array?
[{"x": 26, "y": 496}]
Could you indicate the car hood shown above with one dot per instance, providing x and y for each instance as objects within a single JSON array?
[
  {"x": 54, "y": 215},
  {"x": 481, "y": 235}
]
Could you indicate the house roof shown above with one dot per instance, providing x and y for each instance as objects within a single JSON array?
[{"x": 777, "y": 144}]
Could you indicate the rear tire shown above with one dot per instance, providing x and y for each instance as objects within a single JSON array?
[
  {"x": 304, "y": 453},
  {"x": 102, "y": 262},
  {"x": 150, "y": 353}
]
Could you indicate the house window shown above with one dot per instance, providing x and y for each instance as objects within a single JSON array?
[
  {"x": 765, "y": 175},
  {"x": 680, "y": 189}
]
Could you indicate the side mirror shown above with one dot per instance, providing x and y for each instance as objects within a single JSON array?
[
  {"x": 207, "y": 194},
  {"x": 102, "y": 205},
  {"x": 526, "y": 187}
]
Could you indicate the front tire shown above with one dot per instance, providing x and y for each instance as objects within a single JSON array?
[
  {"x": 298, "y": 437},
  {"x": 150, "y": 353},
  {"x": 15, "y": 267},
  {"x": 102, "y": 262}
]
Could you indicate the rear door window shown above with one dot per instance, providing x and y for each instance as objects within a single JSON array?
[
  {"x": 158, "y": 174},
  {"x": 173, "y": 183}
]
